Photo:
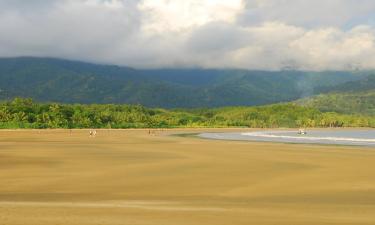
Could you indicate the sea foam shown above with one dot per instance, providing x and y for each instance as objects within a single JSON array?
[{"x": 281, "y": 135}]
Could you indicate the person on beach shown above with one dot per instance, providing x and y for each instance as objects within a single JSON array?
[{"x": 92, "y": 133}]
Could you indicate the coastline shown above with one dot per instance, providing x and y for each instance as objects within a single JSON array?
[{"x": 345, "y": 137}]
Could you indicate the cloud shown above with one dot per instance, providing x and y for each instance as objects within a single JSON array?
[
  {"x": 21, "y": 5},
  {"x": 311, "y": 13},
  {"x": 335, "y": 49},
  {"x": 161, "y": 15},
  {"x": 75, "y": 29},
  {"x": 256, "y": 34}
]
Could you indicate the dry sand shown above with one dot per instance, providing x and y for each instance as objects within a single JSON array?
[{"x": 132, "y": 178}]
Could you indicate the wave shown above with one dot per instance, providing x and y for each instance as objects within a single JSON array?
[{"x": 306, "y": 138}]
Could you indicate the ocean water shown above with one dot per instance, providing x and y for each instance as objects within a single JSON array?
[{"x": 332, "y": 136}]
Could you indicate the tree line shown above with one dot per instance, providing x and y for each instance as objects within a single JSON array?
[{"x": 25, "y": 113}]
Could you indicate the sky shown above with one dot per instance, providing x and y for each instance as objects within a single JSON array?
[{"x": 247, "y": 34}]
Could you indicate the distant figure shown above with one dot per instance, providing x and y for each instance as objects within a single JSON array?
[
  {"x": 302, "y": 132},
  {"x": 92, "y": 133},
  {"x": 151, "y": 132}
]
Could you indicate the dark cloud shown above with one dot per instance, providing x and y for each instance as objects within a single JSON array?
[{"x": 31, "y": 6}]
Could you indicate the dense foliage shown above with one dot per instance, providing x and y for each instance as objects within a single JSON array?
[
  {"x": 55, "y": 80},
  {"x": 24, "y": 113},
  {"x": 348, "y": 102}
]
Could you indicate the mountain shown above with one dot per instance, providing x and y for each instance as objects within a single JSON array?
[
  {"x": 354, "y": 97},
  {"x": 367, "y": 83},
  {"x": 65, "y": 81}
]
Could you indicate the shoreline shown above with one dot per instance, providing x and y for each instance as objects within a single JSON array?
[
  {"x": 326, "y": 137},
  {"x": 187, "y": 128}
]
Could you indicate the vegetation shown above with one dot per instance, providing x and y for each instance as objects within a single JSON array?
[
  {"x": 348, "y": 103},
  {"x": 56, "y": 80},
  {"x": 355, "y": 97},
  {"x": 24, "y": 113},
  {"x": 349, "y": 99},
  {"x": 366, "y": 83}
]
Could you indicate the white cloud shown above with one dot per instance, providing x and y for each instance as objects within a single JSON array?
[
  {"x": 256, "y": 34},
  {"x": 161, "y": 15},
  {"x": 336, "y": 49}
]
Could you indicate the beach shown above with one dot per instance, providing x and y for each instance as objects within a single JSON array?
[{"x": 138, "y": 177}]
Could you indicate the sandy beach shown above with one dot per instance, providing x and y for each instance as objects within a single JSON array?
[{"x": 130, "y": 177}]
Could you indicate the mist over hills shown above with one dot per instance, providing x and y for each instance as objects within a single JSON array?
[
  {"x": 367, "y": 83},
  {"x": 353, "y": 97},
  {"x": 65, "y": 81}
]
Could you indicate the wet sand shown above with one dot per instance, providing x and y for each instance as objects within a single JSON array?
[{"x": 131, "y": 177}]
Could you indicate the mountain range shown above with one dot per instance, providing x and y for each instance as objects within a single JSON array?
[{"x": 66, "y": 81}]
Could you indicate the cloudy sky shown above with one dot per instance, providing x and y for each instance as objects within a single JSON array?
[{"x": 250, "y": 34}]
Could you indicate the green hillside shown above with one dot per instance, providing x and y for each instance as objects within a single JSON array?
[
  {"x": 366, "y": 83},
  {"x": 356, "y": 97},
  {"x": 348, "y": 103},
  {"x": 56, "y": 80}
]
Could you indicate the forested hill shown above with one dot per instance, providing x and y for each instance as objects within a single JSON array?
[
  {"x": 56, "y": 80},
  {"x": 355, "y": 97}
]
